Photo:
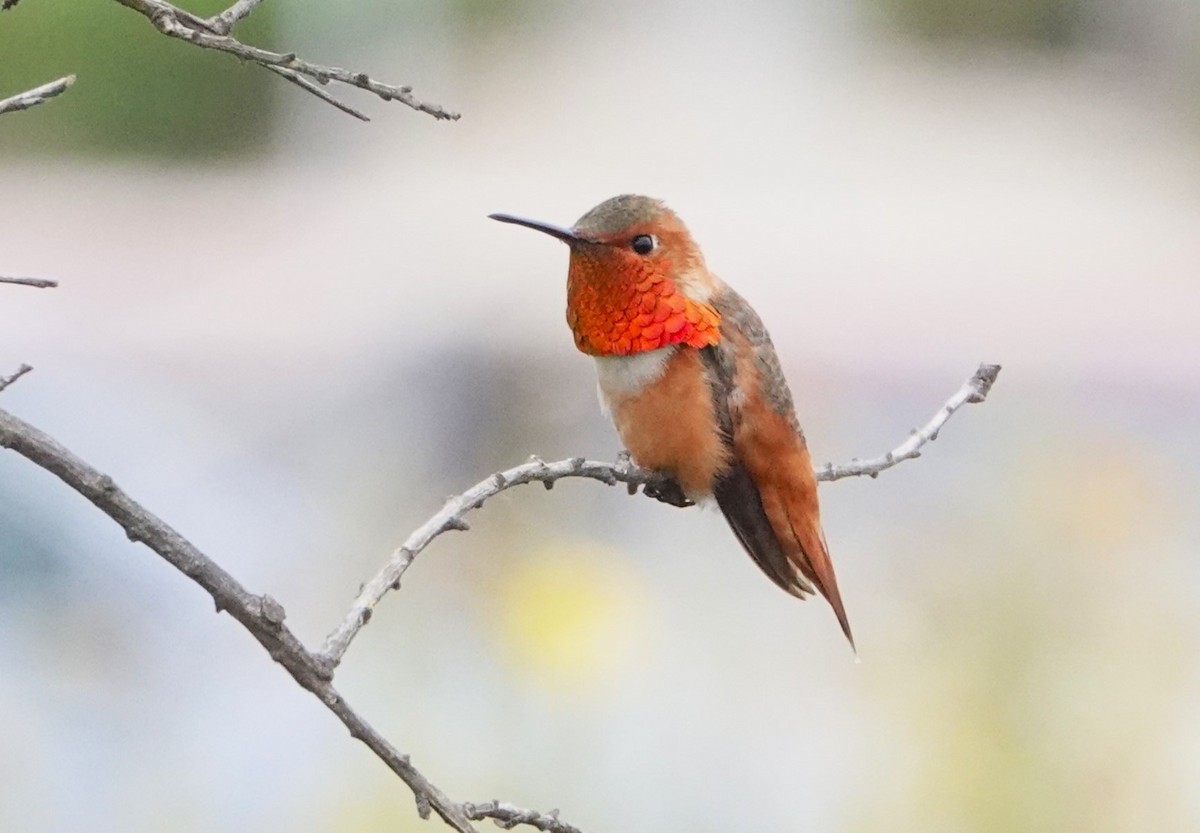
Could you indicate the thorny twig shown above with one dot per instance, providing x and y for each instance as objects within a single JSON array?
[
  {"x": 213, "y": 33},
  {"x": 451, "y": 515}
]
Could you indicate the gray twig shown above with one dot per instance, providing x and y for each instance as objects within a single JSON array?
[
  {"x": 973, "y": 390},
  {"x": 40, "y": 283},
  {"x": 5, "y": 381},
  {"x": 36, "y": 96},
  {"x": 507, "y": 816},
  {"x": 264, "y": 617},
  {"x": 451, "y": 515},
  {"x": 213, "y": 33},
  {"x": 317, "y": 90},
  {"x": 224, "y": 22}
]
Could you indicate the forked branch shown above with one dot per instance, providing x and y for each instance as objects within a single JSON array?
[
  {"x": 261, "y": 615},
  {"x": 214, "y": 33},
  {"x": 264, "y": 617}
]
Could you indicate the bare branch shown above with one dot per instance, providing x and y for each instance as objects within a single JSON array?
[
  {"x": 36, "y": 96},
  {"x": 5, "y": 381},
  {"x": 451, "y": 518},
  {"x": 508, "y": 816},
  {"x": 317, "y": 90},
  {"x": 262, "y": 616},
  {"x": 40, "y": 283},
  {"x": 451, "y": 515},
  {"x": 212, "y": 34},
  {"x": 223, "y": 23},
  {"x": 973, "y": 390}
]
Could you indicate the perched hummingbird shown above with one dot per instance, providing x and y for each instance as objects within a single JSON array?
[{"x": 692, "y": 383}]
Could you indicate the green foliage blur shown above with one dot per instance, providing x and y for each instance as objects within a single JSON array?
[
  {"x": 1046, "y": 23},
  {"x": 137, "y": 93}
]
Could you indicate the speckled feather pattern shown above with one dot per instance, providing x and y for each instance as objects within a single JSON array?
[{"x": 632, "y": 309}]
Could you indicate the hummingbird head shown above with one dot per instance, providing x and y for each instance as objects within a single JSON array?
[{"x": 636, "y": 281}]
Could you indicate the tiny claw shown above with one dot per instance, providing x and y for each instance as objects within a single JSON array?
[{"x": 668, "y": 491}]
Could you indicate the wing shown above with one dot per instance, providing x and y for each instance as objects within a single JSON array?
[
  {"x": 737, "y": 494},
  {"x": 769, "y": 494}
]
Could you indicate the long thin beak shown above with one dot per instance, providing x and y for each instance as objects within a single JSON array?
[{"x": 564, "y": 234}]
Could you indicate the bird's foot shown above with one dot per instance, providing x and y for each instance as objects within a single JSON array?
[
  {"x": 661, "y": 487},
  {"x": 668, "y": 490}
]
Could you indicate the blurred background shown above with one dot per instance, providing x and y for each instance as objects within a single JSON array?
[{"x": 291, "y": 335}]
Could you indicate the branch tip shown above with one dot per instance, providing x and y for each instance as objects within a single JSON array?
[
  {"x": 983, "y": 380},
  {"x": 5, "y": 381},
  {"x": 37, "y": 283},
  {"x": 36, "y": 96}
]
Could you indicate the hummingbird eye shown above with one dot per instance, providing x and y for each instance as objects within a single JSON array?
[{"x": 643, "y": 244}]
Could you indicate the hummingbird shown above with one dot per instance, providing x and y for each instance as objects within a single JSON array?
[{"x": 690, "y": 379}]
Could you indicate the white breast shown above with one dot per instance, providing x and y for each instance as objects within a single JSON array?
[{"x": 619, "y": 377}]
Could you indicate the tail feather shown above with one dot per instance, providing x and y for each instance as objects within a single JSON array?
[
  {"x": 742, "y": 506},
  {"x": 792, "y": 553},
  {"x": 811, "y": 557}
]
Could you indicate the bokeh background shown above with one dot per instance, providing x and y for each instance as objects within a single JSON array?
[{"x": 292, "y": 335}]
